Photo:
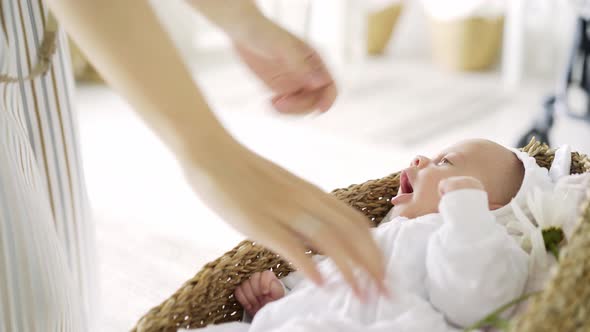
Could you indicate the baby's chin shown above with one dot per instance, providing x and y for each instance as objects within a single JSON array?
[{"x": 403, "y": 210}]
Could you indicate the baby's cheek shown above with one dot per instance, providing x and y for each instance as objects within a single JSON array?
[
  {"x": 428, "y": 184},
  {"x": 428, "y": 197}
]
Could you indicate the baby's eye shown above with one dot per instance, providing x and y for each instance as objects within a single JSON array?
[{"x": 443, "y": 161}]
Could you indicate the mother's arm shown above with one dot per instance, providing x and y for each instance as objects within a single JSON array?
[{"x": 126, "y": 43}]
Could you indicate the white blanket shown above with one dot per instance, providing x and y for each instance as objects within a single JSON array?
[{"x": 445, "y": 271}]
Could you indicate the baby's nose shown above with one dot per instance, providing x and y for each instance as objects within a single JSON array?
[{"x": 419, "y": 161}]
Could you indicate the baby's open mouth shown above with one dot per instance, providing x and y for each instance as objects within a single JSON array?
[
  {"x": 405, "y": 185},
  {"x": 404, "y": 194}
]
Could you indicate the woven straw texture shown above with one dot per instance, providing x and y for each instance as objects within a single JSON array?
[{"x": 208, "y": 298}]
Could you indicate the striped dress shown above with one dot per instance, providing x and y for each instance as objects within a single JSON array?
[{"x": 47, "y": 279}]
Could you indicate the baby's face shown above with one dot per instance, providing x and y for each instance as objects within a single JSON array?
[{"x": 498, "y": 169}]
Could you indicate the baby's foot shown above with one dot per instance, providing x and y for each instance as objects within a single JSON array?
[{"x": 259, "y": 290}]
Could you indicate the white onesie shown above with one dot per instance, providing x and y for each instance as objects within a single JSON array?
[{"x": 445, "y": 271}]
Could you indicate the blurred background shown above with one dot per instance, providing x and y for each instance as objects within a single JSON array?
[{"x": 414, "y": 77}]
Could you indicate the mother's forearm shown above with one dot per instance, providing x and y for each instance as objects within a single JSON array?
[
  {"x": 129, "y": 47},
  {"x": 238, "y": 18}
]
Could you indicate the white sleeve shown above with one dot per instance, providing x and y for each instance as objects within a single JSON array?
[
  {"x": 473, "y": 265},
  {"x": 290, "y": 281},
  {"x": 294, "y": 278}
]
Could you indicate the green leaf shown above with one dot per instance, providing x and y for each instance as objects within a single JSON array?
[
  {"x": 494, "y": 319},
  {"x": 553, "y": 237}
]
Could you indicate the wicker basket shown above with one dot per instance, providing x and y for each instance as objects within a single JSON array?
[{"x": 208, "y": 297}]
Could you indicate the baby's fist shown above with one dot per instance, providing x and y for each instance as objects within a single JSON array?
[
  {"x": 458, "y": 183},
  {"x": 260, "y": 289}
]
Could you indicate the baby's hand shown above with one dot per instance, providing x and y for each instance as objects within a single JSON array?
[
  {"x": 259, "y": 290},
  {"x": 458, "y": 183}
]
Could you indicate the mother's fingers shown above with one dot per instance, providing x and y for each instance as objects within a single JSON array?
[
  {"x": 318, "y": 79},
  {"x": 324, "y": 238},
  {"x": 327, "y": 97},
  {"x": 352, "y": 228},
  {"x": 304, "y": 101},
  {"x": 299, "y": 102},
  {"x": 288, "y": 246}
]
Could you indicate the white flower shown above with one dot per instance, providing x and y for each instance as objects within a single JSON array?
[
  {"x": 531, "y": 237},
  {"x": 550, "y": 209}
]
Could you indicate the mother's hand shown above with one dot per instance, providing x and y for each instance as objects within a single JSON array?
[
  {"x": 288, "y": 66},
  {"x": 292, "y": 69},
  {"x": 283, "y": 212}
]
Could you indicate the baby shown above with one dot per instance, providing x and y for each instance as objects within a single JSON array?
[{"x": 449, "y": 258}]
